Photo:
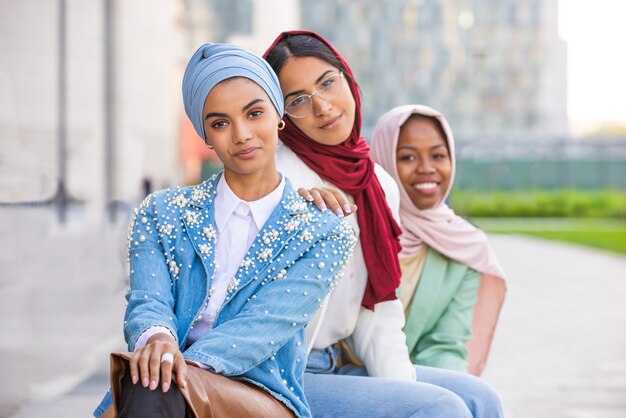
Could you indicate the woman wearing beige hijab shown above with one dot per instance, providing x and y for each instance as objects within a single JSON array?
[{"x": 452, "y": 285}]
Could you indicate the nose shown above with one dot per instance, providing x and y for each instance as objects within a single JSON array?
[
  {"x": 425, "y": 167},
  {"x": 241, "y": 133},
  {"x": 320, "y": 106}
]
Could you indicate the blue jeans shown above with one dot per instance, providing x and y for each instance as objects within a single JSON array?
[{"x": 347, "y": 391}]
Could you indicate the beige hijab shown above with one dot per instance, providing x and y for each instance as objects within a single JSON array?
[{"x": 441, "y": 229}]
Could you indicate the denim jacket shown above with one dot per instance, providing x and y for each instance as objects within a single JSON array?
[{"x": 258, "y": 335}]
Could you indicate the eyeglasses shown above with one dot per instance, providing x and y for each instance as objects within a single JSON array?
[{"x": 327, "y": 89}]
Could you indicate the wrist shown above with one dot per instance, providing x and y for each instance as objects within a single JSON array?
[{"x": 160, "y": 336}]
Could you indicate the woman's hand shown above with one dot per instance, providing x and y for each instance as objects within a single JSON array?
[
  {"x": 328, "y": 197},
  {"x": 152, "y": 363}
]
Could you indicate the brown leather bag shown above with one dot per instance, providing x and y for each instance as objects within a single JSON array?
[{"x": 209, "y": 395}]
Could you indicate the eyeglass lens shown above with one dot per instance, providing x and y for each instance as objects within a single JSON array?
[{"x": 327, "y": 89}]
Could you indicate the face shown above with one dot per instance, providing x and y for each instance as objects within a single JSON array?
[
  {"x": 423, "y": 162},
  {"x": 241, "y": 123},
  {"x": 330, "y": 121}
]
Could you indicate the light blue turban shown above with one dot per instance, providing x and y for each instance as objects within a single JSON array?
[{"x": 214, "y": 63}]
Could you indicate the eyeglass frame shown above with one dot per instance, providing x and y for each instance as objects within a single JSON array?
[{"x": 315, "y": 91}]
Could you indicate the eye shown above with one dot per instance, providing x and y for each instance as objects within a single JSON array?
[
  {"x": 439, "y": 156},
  {"x": 298, "y": 101},
  {"x": 405, "y": 158},
  {"x": 255, "y": 113},
  {"x": 327, "y": 83},
  {"x": 218, "y": 124}
]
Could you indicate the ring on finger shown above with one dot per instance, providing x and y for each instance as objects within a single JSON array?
[{"x": 167, "y": 357}]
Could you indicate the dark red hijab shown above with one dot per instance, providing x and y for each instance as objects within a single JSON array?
[{"x": 349, "y": 167}]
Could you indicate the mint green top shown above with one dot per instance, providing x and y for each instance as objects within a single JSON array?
[{"x": 439, "y": 318}]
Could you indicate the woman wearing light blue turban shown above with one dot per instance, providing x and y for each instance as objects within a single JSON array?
[{"x": 225, "y": 274}]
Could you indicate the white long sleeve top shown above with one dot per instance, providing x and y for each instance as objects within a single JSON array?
[{"x": 376, "y": 336}]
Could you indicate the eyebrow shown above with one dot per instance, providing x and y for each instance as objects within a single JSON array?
[
  {"x": 431, "y": 148},
  {"x": 320, "y": 78},
  {"x": 224, "y": 115}
]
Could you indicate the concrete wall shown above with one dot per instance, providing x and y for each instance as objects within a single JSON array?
[{"x": 148, "y": 57}]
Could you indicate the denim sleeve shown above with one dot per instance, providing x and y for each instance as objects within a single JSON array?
[
  {"x": 444, "y": 345},
  {"x": 278, "y": 310},
  {"x": 150, "y": 298}
]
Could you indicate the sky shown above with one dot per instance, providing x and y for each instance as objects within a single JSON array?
[{"x": 596, "y": 35}]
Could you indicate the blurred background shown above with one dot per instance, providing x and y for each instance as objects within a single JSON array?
[{"x": 91, "y": 120}]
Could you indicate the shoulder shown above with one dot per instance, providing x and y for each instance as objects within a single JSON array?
[
  {"x": 390, "y": 188},
  {"x": 289, "y": 164},
  {"x": 452, "y": 267},
  {"x": 177, "y": 199},
  {"x": 305, "y": 211},
  {"x": 286, "y": 159},
  {"x": 386, "y": 181},
  {"x": 284, "y": 153},
  {"x": 315, "y": 223}
]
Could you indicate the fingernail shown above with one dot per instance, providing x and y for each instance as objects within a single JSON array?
[
  {"x": 166, "y": 387},
  {"x": 309, "y": 198},
  {"x": 183, "y": 383},
  {"x": 144, "y": 382},
  {"x": 347, "y": 209},
  {"x": 339, "y": 212},
  {"x": 135, "y": 379},
  {"x": 153, "y": 385},
  {"x": 322, "y": 206}
]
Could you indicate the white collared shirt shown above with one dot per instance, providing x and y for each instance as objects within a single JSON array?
[{"x": 234, "y": 218}]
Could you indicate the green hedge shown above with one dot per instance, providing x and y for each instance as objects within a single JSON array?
[
  {"x": 606, "y": 234},
  {"x": 540, "y": 203}
]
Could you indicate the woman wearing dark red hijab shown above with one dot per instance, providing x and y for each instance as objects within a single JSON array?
[{"x": 358, "y": 330}]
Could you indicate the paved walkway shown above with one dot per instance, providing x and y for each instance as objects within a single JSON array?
[
  {"x": 62, "y": 305},
  {"x": 559, "y": 350},
  {"x": 561, "y": 343}
]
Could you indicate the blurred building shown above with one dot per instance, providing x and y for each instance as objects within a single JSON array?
[
  {"x": 253, "y": 24},
  {"x": 91, "y": 114},
  {"x": 90, "y": 104},
  {"x": 496, "y": 68},
  {"x": 90, "y": 100}
]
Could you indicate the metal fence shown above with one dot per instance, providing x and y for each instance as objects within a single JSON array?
[{"x": 523, "y": 165}]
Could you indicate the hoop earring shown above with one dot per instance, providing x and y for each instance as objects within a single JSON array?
[
  {"x": 208, "y": 146},
  {"x": 281, "y": 125}
]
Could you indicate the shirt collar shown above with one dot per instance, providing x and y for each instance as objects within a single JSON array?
[{"x": 226, "y": 201}]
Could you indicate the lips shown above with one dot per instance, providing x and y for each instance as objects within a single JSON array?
[
  {"x": 331, "y": 123},
  {"x": 247, "y": 153},
  {"x": 426, "y": 188}
]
